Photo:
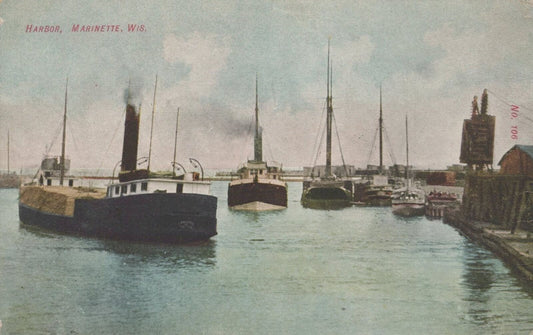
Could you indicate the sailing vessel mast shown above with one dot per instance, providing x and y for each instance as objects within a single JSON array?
[
  {"x": 407, "y": 150},
  {"x": 258, "y": 140},
  {"x": 327, "y": 191},
  {"x": 62, "y": 159},
  {"x": 409, "y": 200},
  {"x": 329, "y": 117},
  {"x": 152, "y": 126},
  {"x": 175, "y": 144},
  {"x": 380, "y": 133},
  {"x": 8, "y": 152}
]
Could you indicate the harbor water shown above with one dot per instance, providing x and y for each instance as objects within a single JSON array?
[{"x": 295, "y": 271}]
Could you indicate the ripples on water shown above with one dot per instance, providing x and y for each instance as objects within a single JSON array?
[{"x": 296, "y": 271}]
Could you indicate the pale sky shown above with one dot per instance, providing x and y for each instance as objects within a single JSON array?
[{"x": 431, "y": 58}]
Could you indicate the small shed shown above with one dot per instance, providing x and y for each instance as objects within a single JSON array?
[{"x": 518, "y": 161}]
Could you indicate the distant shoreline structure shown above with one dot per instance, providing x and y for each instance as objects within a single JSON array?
[{"x": 295, "y": 174}]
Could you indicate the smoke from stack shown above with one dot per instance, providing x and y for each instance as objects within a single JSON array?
[{"x": 133, "y": 94}]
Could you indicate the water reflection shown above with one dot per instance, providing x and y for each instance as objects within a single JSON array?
[
  {"x": 164, "y": 255},
  {"x": 256, "y": 216},
  {"x": 42, "y": 232},
  {"x": 409, "y": 219},
  {"x": 525, "y": 286},
  {"x": 478, "y": 279}
]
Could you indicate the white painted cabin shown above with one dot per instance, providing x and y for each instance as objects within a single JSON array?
[{"x": 153, "y": 185}]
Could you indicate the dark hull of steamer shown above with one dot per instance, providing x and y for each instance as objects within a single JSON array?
[
  {"x": 156, "y": 217},
  {"x": 271, "y": 196}
]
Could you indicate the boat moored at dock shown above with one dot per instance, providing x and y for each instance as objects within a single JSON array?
[
  {"x": 409, "y": 200},
  {"x": 438, "y": 202},
  {"x": 378, "y": 192},
  {"x": 326, "y": 193}
]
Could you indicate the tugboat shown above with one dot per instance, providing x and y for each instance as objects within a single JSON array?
[
  {"x": 259, "y": 187},
  {"x": 410, "y": 199},
  {"x": 138, "y": 208},
  {"x": 327, "y": 191}
]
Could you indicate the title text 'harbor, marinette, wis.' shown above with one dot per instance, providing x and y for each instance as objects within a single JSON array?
[{"x": 91, "y": 28}]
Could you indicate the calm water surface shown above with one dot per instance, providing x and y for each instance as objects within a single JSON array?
[{"x": 296, "y": 271}]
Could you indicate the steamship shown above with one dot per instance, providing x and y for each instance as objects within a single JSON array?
[
  {"x": 327, "y": 191},
  {"x": 138, "y": 207},
  {"x": 259, "y": 187}
]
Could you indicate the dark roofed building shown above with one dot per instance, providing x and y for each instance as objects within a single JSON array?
[{"x": 518, "y": 161}]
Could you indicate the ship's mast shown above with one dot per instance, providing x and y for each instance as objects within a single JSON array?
[
  {"x": 175, "y": 143},
  {"x": 329, "y": 118},
  {"x": 8, "y": 152},
  {"x": 380, "y": 133},
  {"x": 62, "y": 159},
  {"x": 258, "y": 140},
  {"x": 407, "y": 150},
  {"x": 152, "y": 126}
]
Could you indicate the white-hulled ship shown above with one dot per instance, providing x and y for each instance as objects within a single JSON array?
[
  {"x": 259, "y": 187},
  {"x": 409, "y": 200},
  {"x": 327, "y": 191},
  {"x": 138, "y": 207}
]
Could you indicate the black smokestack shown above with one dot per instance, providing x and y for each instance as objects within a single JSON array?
[{"x": 131, "y": 139}]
